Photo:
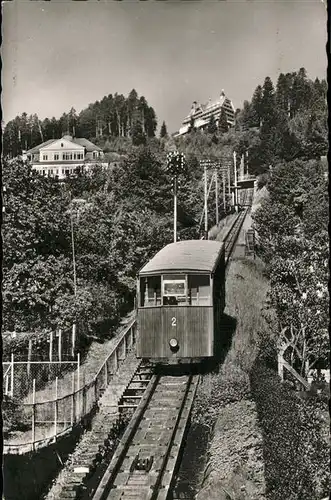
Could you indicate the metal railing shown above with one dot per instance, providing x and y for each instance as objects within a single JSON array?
[{"x": 45, "y": 421}]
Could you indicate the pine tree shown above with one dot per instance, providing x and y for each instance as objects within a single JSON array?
[
  {"x": 256, "y": 107},
  {"x": 268, "y": 103},
  {"x": 212, "y": 127},
  {"x": 223, "y": 126},
  {"x": 163, "y": 131}
]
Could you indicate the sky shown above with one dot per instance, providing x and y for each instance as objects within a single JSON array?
[{"x": 63, "y": 53}]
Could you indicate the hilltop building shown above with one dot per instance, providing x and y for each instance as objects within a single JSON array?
[
  {"x": 58, "y": 157},
  {"x": 201, "y": 113}
]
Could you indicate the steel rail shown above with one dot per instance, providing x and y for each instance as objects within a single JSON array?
[{"x": 123, "y": 479}]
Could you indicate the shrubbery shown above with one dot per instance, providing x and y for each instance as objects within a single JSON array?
[{"x": 295, "y": 452}]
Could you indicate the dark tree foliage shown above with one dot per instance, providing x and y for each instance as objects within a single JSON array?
[
  {"x": 223, "y": 126},
  {"x": 163, "y": 131},
  {"x": 212, "y": 127},
  {"x": 113, "y": 116}
]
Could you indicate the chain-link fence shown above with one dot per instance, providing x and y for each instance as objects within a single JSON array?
[
  {"x": 51, "y": 409},
  {"x": 58, "y": 345},
  {"x": 23, "y": 378}
]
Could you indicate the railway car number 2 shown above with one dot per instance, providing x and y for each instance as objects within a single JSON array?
[{"x": 173, "y": 322}]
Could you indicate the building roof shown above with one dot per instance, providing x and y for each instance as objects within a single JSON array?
[
  {"x": 81, "y": 141},
  {"x": 42, "y": 145},
  {"x": 88, "y": 145},
  {"x": 188, "y": 255}
]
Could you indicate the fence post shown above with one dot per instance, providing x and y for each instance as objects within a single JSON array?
[
  {"x": 29, "y": 357},
  {"x": 12, "y": 376},
  {"x": 6, "y": 385},
  {"x": 55, "y": 409},
  {"x": 73, "y": 340},
  {"x": 106, "y": 374},
  {"x": 60, "y": 345},
  {"x": 115, "y": 361},
  {"x": 33, "y": 411},
  {"x": 73, "y": 416},
  {"x": 78, "y": 384},
  {"x": 51, "y": 346}
]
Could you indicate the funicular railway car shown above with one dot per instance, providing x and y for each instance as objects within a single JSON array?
[{"x": 181, "y": 298}]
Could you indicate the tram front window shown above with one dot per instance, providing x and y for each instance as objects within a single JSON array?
[{"x": 174, "y": 290}]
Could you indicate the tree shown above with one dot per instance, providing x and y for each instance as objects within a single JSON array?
[
  {"x": 293, "y": 233},
  {"x": 163, "y": 131},
  {"x": 256, "y": 107},
  {"x": 137, "y": 134},
  {"x": 212, "y": 127},
  {"x": 268, "y": 102},
  {"x": 223, "y": 126}
]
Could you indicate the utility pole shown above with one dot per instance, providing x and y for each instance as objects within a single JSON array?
[
  {"x": 206, "y": 199},
  {"x": 216, "y": 196},
  {"x": 224, "y": 181},
  {"x": 73, "y": 252},
  {"x": 235, "y": 181},
  {"x": 175, "y": 166},
  {"x": 175, "y": 208}
]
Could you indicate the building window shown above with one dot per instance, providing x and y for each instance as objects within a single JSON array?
[
  {"x": 45, "y": 157},
  {"x": 80, "y": 156},
  {"x": 43, "y": 172},
  {"x": 56, "y": 156},
  {"x": 67, "y": 156},
  {"x": 61, "y": 144},
  {"x": 94, "y": 155},
  {"x": 51, "y": 171},
  {"x": 57, "y": 171},
  {"x": 74, "y": 156}
]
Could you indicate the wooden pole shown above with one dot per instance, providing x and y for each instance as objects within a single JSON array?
[
  {"x": 73, "y": 340},
  {"x": 73, "y": 398},
  {"x": 73, "y": 252},
  {"x": 78, "y": 371},
  {"x": 206, "y": 200},
  {"x": 51, "y": 346},
  {"x": 235, "y": 181},
  {"x": 216, "y": 196},
  {"x": 12, "y": 376},
  {"x": 175, "y": 208},
  {"x": 229, "y": 182},
  {"x": 60, "y": 345},
  {"x": 224, "y": 201},
  {"x": 33, "y": 410},
  {"x": 55, "y": 409},
  {"x": 29, "y": 357}
]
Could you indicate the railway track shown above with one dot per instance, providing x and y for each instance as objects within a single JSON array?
[
  {"x": 232, "y": 236},
  {"x": 144, "y": 463}
]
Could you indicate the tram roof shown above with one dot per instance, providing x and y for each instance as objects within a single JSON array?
[{"x": 187, "y": 255}]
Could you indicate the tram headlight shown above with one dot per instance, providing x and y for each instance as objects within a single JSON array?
[{"x": 173, "y": 343}]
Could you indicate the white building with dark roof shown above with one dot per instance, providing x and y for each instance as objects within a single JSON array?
[
  {"x": 201, "y": 113},
  {"x": 59, "y": 157}
]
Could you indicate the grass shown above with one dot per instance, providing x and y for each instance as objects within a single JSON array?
[{"x": 224, "y": 404}]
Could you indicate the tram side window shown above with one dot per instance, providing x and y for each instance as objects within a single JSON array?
[
  {"x": 199, "y": 289},
  {"x": 150, "y": 291}
]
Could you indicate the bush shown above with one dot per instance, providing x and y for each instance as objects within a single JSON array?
[
  {"x": 220, "y": 390},
  {"x": 14, "y": 418},
  {"x": 295, "y": 453}
]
